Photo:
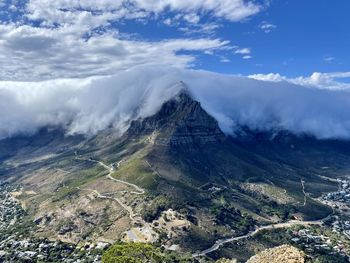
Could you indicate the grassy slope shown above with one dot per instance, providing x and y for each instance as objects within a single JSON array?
[{"x": 137, "y": 171}]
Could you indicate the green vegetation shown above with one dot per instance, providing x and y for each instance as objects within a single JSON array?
[
  {"x": 140, "y": 253},
  {"x": 160, "y": 203},
  {"x": 314, "y": 210},
  {"x": 65, "y": 193},
  {"x": 154, "y": 209},
  {"x": 69, "y": 187},
  {"x": 284, "y": 212},
  {"x": 138, "y": 172},
  {"x": 197, "y": 239},
  {"x": 327, "y": 259},
  {"x": 156, "y": 204},
  {"x": 228, "y": 215},
  {"x": 84, "y": 176}
]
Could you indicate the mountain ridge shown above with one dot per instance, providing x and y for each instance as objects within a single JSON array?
[
  {"x": 184, "y": 162},
  {"x": 180, "y": 121}
]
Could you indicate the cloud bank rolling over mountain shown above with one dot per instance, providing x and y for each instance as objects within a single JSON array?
[
  {"x": 89, "y": 41},
  {"x": 92, "y": 104}
]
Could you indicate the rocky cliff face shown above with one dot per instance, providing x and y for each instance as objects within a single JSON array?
[{"x": 180, "y": 121}]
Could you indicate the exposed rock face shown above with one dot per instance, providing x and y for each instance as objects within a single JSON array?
[
  {"x": 180, "y": 121},
  {"x": 284, "y": 253}
]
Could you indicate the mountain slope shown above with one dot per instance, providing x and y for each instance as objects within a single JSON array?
[
  {"x": 180, "y": 121},
  {"x": 221, "y": 185}
]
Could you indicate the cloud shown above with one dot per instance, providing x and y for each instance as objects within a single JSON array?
[
  {"x": 191, "y": 24},
  {"x": 89, "y": 15},
  {"x": 329, "y": 59},
  {"x": 225, "y": 60},
  {"x": 92, "y": 104},
  {"x": 46, "y": 39},
  {"x": 200, "y": 29},
  {"x": 267, "y": 27},
  {"x": 192, "y": 18},
  {"x": 243, "y": 51},
  {"x": 168, "y": 21},
  {"x": 28, "y": 53},
  {"x": 89, "y": 12},
  {"x": 268, "y": 77},
  {"x": 331, "y": 81}
]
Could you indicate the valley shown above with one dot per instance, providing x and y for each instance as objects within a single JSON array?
[{"x": 176, "y": 181}]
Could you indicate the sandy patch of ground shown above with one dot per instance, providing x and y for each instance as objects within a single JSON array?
[{"x": 143, "y": 234}]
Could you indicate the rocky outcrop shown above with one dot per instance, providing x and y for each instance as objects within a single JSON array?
[
  {"x": 180, "y": 121},
  {"x": 284, "y": 253}
]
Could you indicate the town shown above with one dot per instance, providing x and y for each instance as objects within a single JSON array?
[{"x": 18, "y": 242}]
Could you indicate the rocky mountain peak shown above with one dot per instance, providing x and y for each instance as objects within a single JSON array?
[{"x": 179, "y": 121}]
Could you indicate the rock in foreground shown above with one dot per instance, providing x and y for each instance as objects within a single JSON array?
[{"x": 284, "y": 253}]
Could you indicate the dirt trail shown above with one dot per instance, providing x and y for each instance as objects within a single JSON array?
[{"x": 303, "y": 189}]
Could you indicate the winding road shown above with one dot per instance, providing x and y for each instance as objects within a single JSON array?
[
  {"x": 110, "y": 168},
  {"x": 221, "y": 242}
]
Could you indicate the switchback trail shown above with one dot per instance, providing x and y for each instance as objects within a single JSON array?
[
  {"x": 303, "y": 189},
  {"x": 110, "y": 168}
]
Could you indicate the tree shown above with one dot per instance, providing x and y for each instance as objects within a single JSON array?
[{"x": 132, "y": 253}]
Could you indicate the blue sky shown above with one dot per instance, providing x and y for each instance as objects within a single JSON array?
[
  {"x": 305, "y": 36},
  {"x": 45, "y": 39},
  {"x": 58, "y": 57}
]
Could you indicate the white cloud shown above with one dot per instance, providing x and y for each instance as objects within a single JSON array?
[
  {"x": 28, "y": 53},
  {"x": 331, "y": 81},
  {"x": 192, "y": 18},
  {"x": 200, "y": 29},
  {"x": 66, "y": 12},
  {"x": 233, "y": 10},
  {"x": 268, "y": 77},
  {"x": 326, "y": 80},
  {"x": 55, "y": 39},
  {"x": 329, "y": 59},
  {"x": 243, "y": 51},
  {"x": 225, "y": 60},
  {"x": 234, "y": 101},
  {"x": 168, "y": 22},
  {"x": 267, "y": 27}
]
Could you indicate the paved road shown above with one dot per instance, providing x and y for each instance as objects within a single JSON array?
[
  {"x": 110, "y": 168},
  {"x": 221, "y": 242},
  {"x": 140, "y": 191}
]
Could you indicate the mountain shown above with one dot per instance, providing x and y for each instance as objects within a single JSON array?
[
  {"x": 180, "y": 121},
  {"x": 109, "y": 186}
]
